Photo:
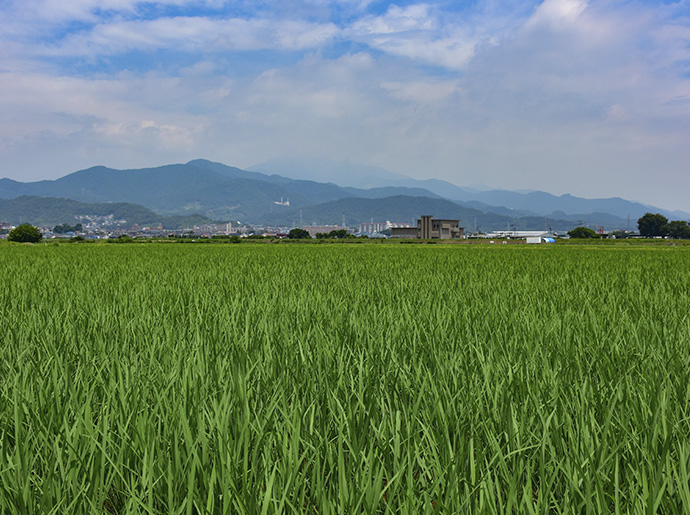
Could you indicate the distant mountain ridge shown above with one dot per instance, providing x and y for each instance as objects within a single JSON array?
[
  {"x": 212, "y": 189},
  {"x": 522, "y": 203},
  {"x": 222, "y": 192}
]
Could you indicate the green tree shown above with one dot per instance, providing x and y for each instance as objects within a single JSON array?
[
  {"x": 652, "y": 224},
  {"x": 339, "y": 234},
  {"x": 25, "y": 233},
  {"x": 63, "y": 228},
  {"x": 298, "y": 234},
  {"x": 582, "y": 232},
  {"x": 679, "y": 229}
]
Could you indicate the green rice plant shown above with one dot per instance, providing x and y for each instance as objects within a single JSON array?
[{"x": 325, "y": 379}]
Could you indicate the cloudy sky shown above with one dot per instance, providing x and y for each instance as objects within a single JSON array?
[{"x": 568, "y": 96}]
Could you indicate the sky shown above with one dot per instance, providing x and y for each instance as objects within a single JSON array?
[{"x": 590, "y": 98}]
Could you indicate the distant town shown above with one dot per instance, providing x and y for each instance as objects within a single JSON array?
[{"x": 96, "y": 227}]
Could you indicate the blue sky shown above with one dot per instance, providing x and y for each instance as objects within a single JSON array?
[{"x": 568, "y": 96}]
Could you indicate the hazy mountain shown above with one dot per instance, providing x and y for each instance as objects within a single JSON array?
[
  {"x": 224, "y": 192},
  {"x": 542, "y": 203},
  {"x": 49, "y": 211},
  {"x": 323, "y": 170},
  {"x": 509, "y": 203},
  {"x": 391, "y": 191},
  {"x": 353, "y": 175}
]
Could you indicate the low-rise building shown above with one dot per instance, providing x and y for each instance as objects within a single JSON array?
[{"x": 430, "y": 228}]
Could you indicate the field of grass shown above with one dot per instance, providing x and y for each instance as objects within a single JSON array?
[{"x": 145, "y": 378}]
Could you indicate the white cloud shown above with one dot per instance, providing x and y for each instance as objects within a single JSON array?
[
  {"x": 60, "y": 11},
  {"x": 163, "y": 136},
  {"x": 65, "y": 105},
  {"x": 196, "y": 34},
  {"x": 316, "y": 90},
  {"x": 416, "y": 32},
  {"x": 557, "y": 13},
  {"x": 397, "y": 19}
]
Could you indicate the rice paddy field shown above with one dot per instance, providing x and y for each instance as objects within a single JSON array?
[{"x": 339, "y": 379}]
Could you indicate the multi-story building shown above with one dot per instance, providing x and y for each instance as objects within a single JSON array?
[{"x": 429, "y": 228}]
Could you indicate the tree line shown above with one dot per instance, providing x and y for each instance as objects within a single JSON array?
[
  {"x": 654, "y": 224},
  {"x": 649, "y": 225}
]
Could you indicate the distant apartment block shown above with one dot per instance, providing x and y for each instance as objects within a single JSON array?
[{"x": 429, "y": 228}]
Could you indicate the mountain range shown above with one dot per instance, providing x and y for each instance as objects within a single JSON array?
[
  {"x": 479, "y": 196},
  {"x": 219, "y": 192}
]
